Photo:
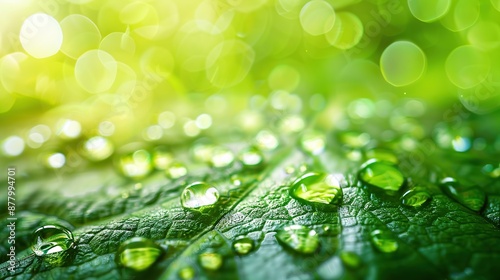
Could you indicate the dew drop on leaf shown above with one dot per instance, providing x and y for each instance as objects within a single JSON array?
[
  {"x": 299, "y": 238},
  {"x": 176, "y": 170},
  {"x": 415, "y": 197},
  {"x": 381, "y": 174},
  {"x": 251, "y": 158},
  {"x": 243, "y": 245},
  {"x": 162, "y": 158},
  {"x": 313, "y": 142},
  {"x": 53, "y": 243},
  {"x": 136, "y": 164},
  {"x": 383, "y": 241},
  {"x": 471, "y": 197},
  {"x": 350, "y": 259},
  {"x": 187, "y": 273},
  {"x": 210, "y": 261},
  {"x": 97, "y": 148},
  {"x": 317, "y": 188},
  {"x": 266, "y": 140},
  {"x": 199, "y": 194},
  {"x": 138, "y": 253},
  {"x": 221, "y": 157}
]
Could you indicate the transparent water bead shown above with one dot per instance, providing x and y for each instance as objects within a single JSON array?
[
  {"x": 383, "y": 241},
  {"x": 221, "y": 157},
  {"x": 316, "y": 187},
  {"x": 210, "y": 261},
  {"x": 199, "y": 194},
  {"x": 299, "y": 238},
  {"x": 381, "y": 174},
  {"x": 176, "y": 170},
  {"x": 138, "y": 253},
  {"x": 471, "y": 197},
  {"x": 243, "y": 245},
  {"x": 415, "y": 197},
  {"x": 53, "y": 243}
]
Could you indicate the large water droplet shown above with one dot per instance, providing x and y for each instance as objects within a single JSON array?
[
  {"x": 381, "y": 174},
  {"x": 243, "y": 245},
  {"x": 299, "y": 238},
  {"x": 383, "y": 241},
  {"x": 471, "y": 197},
  {"x": 138, "y": 253},
  {"x": 415, "y": 197},
  {"x": 210, "y": 261},
  {"x": 317, "y": 188},
  {"x": 199, "y": 194},
  {"x": 53, "y": 243}
]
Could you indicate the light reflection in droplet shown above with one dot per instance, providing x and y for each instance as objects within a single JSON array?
[{"x": 13, "y": 146}]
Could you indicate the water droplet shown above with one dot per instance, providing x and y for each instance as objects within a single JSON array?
[
  {"x": 350, "y": 259},
  {"x": 383, "y": 241},
  {"x": 221, "y": 157},
  {"x": 471, "y": 197},
  {"x": 381, "y": 174},
  {"x": 289, "y": 169},
  {"x": 13, "y": 146},
  {"x": 202, "y": 152},
  {"x": 415, "y": 197},
  {"x": 68, "y": 129},
  {"x": 136, "y": 164},
  {"x": 291, "y": 124},
  {"x": 176, "y": 170},
  {"x": 299, "y": 238},
  {"x": 266, "y": 140},
  {"x": 313, "y": 142},
  {"x": 55, "y": 160},
  {"x": 53, "y": 243},
  {"x": 199, "y": 194},
  {"x": 382, "y": 155},
  {"x": 162, "y": 158},
  {"x": 138, "y": 253},
  {"x": 252, "y": 158},
  {"x": 98, "y": 148},
  {"x": 317, "y": 188},
  {"x": 187, "y": 273},
  {"x": 354, "y": 139},
  {"x": 210, "y": 261},
  {"x": 243, "y": 245}
]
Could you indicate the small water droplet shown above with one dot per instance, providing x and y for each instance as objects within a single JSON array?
[
  {"x": 136, "y": 164},
  {"x": 350, "y": 259},
  {"x": 97, "y": 148},
  {"x": 210, "y": 261},
  {"x": 176, "y": 170},
  {"x": 55, "y": 160},
  {"x": 299, "y": 238},
  {"x": 381, "y": 174},
  {"x": 471, "y": 197},
  {"x": 202, "y": 152},
  {"x": 383, "y": 241},
  {"x": 138, "y": 253},
  {"x": 251, "y": 158},
  {"x": 162, "y": 158},
  {"x": 266, "y": 140},
  {"x": 313, "y": 142},
  {"x": 243, "y": 245},
  {"x": 199, "y": 194},
  {"x": 317, "y": 188},
  {"x": 53, "y": 243},
  {"x": 289, "y": 169},
  {"x": 187, "y": 273},
  {"x": 236, "y": 180},
  {"x": 221, "y": 157},
  {"x": 415, "y": 197}
]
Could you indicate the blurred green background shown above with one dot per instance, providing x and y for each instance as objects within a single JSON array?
[{"x": 147, "y": 70}]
